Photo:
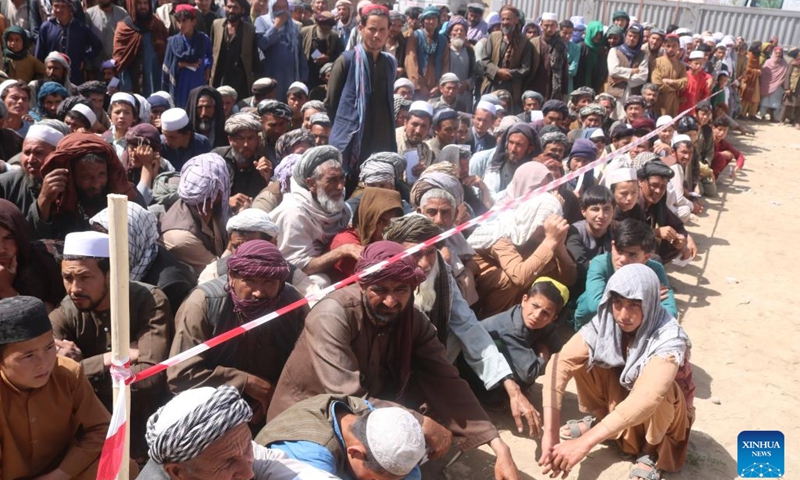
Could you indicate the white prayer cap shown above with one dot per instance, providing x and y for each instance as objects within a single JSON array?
[
  {"x": 718, "y": 36},
  {"x": 697, "y": 54},
  {"x": 403, "y": 82},
  {"x": 86, "y": 244},
  {"x": 598, "y": 133},
  {"x": 685, "y": 42},
  {"x": 697, "y": 36},
  {"x": 44, "y": 133},
  {"x": 6, "y": 84},
  {"x": 124, "y": 97},
  {"x": 166, "y": 96},
  {"x": 727, "y": 41},
  {"x": 549, "y": 16},
  {"x": 302, "y": 86},
  {"x": 448, "y": 77},
  {"x": 420, "y": 106},
  {"x": 252, "y": 220},
  {"x": 634, "y": 20},
  {"x": 681, "y": 138},
  {"x": 174, "y": 119},
  {"x": 395, "y": 439},
  {"x": 709, "y": 39},
  {"x": 86, "y": 112},
  {"x": 683, "y": 31},
  {"x": 487, "y": 106},
  {"x": 619, "y": 175},
  {"x": 663, "y": 120}
]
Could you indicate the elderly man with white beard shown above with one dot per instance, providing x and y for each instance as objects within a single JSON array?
[
  {"x": 313, "y": 213},
  {"x": 458, "y": 328}
]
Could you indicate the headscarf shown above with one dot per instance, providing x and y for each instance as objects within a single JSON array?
[
  {"x": 76, "y": 146},
  {"x": 257, "y": 259},
  {"x": 659, "y": 335},
  {"x": 631, "y": 53},
  {"x": 203, "y": 178},
  {"x": 291, "y": 139},
  {"x": 220, "y": 140},
  {"x": 50, "y": 88},
  {"x": 142, "y": 237},
  {"x": 239, "y": 122},
  {"x": 614, "y": 30},
  {"x": 525, "y": 129},
  {"x": 773, "y": 74},
  {"x": 375, "y": 171},
  {"x": 412, "y": 228},
  {"x": 26, "y": 43},
  {"x": 400, "y": 103},
  {"x": 311, "y": 159},
  {"x": 527, "y": 177},
  {"x": 209, "y": 414},
  {"x": 430, "y": 180},
  {"x": 452, "y": 154},
  {"x": 283, "y": 172},
  {"x": 374, "y": 203}
]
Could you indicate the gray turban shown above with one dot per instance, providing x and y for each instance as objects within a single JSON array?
[
  {"x": 397, "y": 161},
  {"x": 275, "y": 108},
  {"x": 554, "y": 137},
  {"x": 375, "y": 171},
  {"x": 430, "y": 180},
  {"x": 289, "y": 140},
  {"x": 180, "y": 430},
  {"x": 531, "y": 94},
  {"x": 413, "y": 228},
  {"x": 313, "y": 105},
  {"x": 321, "y": 119},
  {"x": 239, "y": 122},
  {"x": 593, "y": 109},
  {"x": 313, "y": 158}
]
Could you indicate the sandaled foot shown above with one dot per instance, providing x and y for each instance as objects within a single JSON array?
[
  {"x": 575, "y": 428},
  {"x": 645, "y": 469}
]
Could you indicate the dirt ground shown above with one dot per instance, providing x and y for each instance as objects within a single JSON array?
[{"x": 738, "y": 300}]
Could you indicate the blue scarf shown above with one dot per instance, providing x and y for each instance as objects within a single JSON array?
[
  {"x": 631, "y": 53},
  {"x": 425, "y": 50}
]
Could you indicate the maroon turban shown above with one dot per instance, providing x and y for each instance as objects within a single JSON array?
[
  {"x": 260, "y": 259},
  {"x": 257, "y": 259},
  {"x": 404, "y": 270}
]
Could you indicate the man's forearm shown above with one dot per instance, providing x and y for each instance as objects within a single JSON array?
[{"x": 324, "y": 262}]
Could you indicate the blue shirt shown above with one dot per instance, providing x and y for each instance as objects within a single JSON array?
[
  {"x": 198, "y": 145},
  {"x": 75, "y": 39}
]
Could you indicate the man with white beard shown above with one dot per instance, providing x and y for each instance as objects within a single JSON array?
[
  {"x": 313, "y": 213},
  {"x": 458, "y": 328}
]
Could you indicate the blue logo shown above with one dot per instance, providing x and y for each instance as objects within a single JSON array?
[{"x": 760, "y": 454}]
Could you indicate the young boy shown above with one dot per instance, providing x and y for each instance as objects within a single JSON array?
[
  {"x": 18, "y": 63},
  {"x": 296, "y": 97},
  {"x": 525, "y": 334},
  {"x": 721, "y": 85},
  {"x": 591, "y": 237},
  {"x": 724, "y": 152},
  {"x": 52, "y": 424},
  {"x": 632, "y": 243}
]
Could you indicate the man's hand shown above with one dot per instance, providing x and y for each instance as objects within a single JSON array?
[
  {"x": 264, "y": 167},
  {"x": 437, "y": 438},
  {"x": 664, "y": 292},
  {"x": 418, "y": 169},
  {"x": 7, "y": 276},
  {"x": 697, "y": 207},
  {"x": 504, "y": 467},
  {"x": 503, "y": 74},
  {"x": 565, "y": 456},
  {"x": 521, "y": 409},
  {"x": 555, "y": 229},
  {"x": 691, "y": 249},
  {"x": 53, "y": 185},
  {"x": 321, "y": 60},
  {"x": 279, "y": 20},
  {"x": 260, "y": 393},
  {"x": 66, "y": 348},
  {"x": 351, "y": 250},
  {"x": 239, "y": 202},
  {"x": 666, "y": 233}
]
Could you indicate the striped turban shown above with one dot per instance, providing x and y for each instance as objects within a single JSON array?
[
  {"x": 397, "y": 161},
  {"x": 180, "y": 430},
  {"x": 374, "y": 171},
  {"x": 239, "y": 122},
  {"x": 404, "y": 270},
  {"x": 312, "y": 159},
  {"x": 430, "y": 180},
  {"x": 289, "y": 140},
  {"x": 283, "y": 172},
  {"x": 203, "y": 178},
  {"x": 258, "y": 259},
  {"x": 142, "y": 237}
]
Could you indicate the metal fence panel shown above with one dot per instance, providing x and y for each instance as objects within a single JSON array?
[{"x": 751, "y": 23}]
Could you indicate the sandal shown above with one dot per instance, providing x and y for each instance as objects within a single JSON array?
[
  {"x": 645, "y": 474},
  {"x": 575, "y": 429}
]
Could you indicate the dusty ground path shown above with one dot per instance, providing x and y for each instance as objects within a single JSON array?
[{"x": 739, "y": 302}]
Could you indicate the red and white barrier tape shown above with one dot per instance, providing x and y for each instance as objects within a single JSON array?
[{"x": 111, "y": 448}]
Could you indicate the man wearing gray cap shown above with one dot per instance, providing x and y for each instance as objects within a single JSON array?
[
  {"x": 44, "y": 397},
  {"x": 203, "y": 434}
]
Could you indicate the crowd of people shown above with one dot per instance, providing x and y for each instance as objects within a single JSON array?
[{"x": 268, "y": 150}]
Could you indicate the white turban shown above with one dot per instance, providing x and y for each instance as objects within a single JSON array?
[{"x": 252, "y": 220}]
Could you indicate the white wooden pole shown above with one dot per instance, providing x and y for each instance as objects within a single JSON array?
[{"x": 120, "y": 304}]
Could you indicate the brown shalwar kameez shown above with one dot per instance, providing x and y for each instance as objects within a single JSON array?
[{"x": 342, "y": 351}]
